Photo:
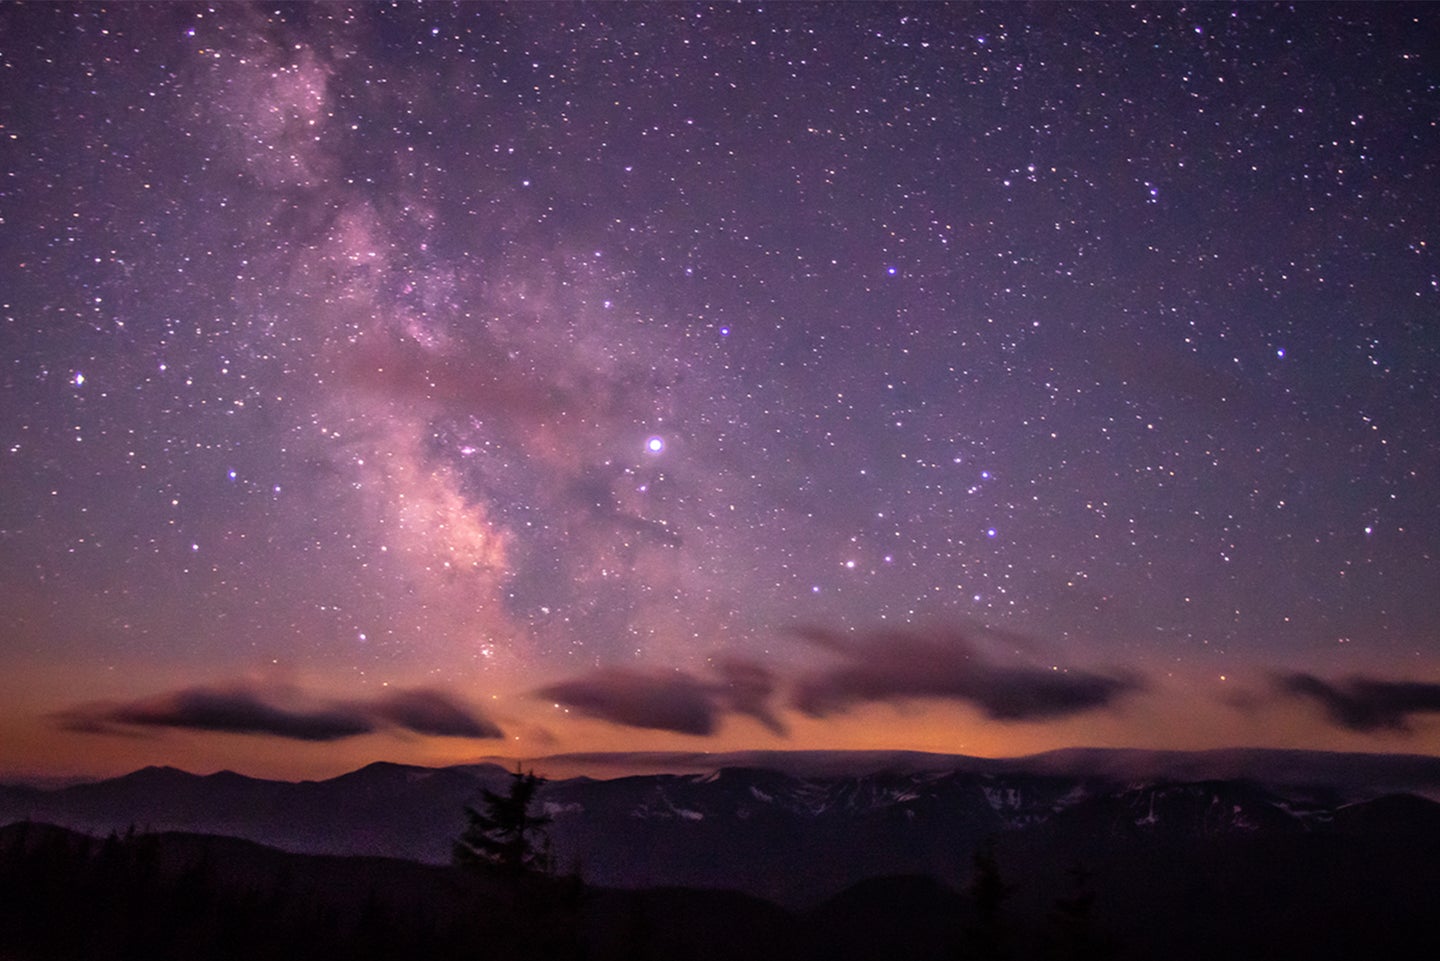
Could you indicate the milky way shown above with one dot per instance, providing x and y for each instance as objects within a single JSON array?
[{"x": 689, "y": 368}]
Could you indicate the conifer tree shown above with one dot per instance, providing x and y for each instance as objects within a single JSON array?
[{"x": 506, "y": 833}]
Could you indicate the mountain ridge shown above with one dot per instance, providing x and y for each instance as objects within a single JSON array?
[{"x": 796, "y": 836}]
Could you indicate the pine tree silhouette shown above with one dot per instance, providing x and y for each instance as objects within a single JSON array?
[{"x": 507, "y": 834}]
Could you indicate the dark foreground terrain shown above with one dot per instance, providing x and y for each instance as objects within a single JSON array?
[
  {"x": 176, "y": 896},
  {"x": 740, "y": 863}
]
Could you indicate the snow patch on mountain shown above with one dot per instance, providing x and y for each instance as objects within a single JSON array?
[{"x": 554, "y": 809}]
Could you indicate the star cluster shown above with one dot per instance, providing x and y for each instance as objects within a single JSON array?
[{"x": 577, "y": 359}]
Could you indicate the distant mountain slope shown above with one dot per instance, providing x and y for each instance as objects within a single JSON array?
[
  {"x": 796, "y": 838},
  {"x": 1355, "y": 775}
]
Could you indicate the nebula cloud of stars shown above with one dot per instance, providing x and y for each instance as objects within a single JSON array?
[{"x": 666, "y": 364}]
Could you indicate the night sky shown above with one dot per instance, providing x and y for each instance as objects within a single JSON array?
[{"x": 430, "y": 382}]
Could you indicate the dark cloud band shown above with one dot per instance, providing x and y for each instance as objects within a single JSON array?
[
  {"x": 244, "y": 709},
  {"x": 666, "y": 702},
  {"x": 1366, "y": 704},
  {"x": 891, "y": 666},
  {"x": 884, "y": 666},
  {"x": 672, "y": 701}
]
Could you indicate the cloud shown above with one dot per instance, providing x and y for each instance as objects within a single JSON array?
[
  {"x": 903, "y": 665},
  {"x": 1366, "y": 704},
  {"x": 665, "y": 702},
  {"x": 430, "y": 711},
  {"x": 882, "y": 666},
  {"x": 673, "y": 700},
  {"x": 234, "y": 710},
  {"x": 244, "y": 709},
  {"x": 745, "y": 687}
]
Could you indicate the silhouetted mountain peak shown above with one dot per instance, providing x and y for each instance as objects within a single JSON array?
[
  {"x": 157, "y": 774},
  {"x": 381, "y": 772}
]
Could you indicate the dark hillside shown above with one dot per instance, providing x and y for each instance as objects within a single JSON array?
[{"x": 1317, "y": 895}]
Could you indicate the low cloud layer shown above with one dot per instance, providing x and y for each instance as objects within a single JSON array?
[
  {"x": 885, "y": 666},
  {"x": 672, "y": 700},
  {"x": 1366, "y": 704},
  {"x": 745, "y": 688},
  {"x": 664, "y": 702},
  {"x": 432, "y": 711},
  {"x": 893, "y": 666},
  {"x": 245, "y": 709}
]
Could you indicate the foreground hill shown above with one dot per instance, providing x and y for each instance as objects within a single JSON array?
[
  {"x": 200, "y": 897},
  {"x": 1344, "y": 894}
]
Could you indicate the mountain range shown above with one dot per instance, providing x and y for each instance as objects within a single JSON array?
[
  {"x": 1237, "y": 854},
  {"x": 794, "y": 828}
]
